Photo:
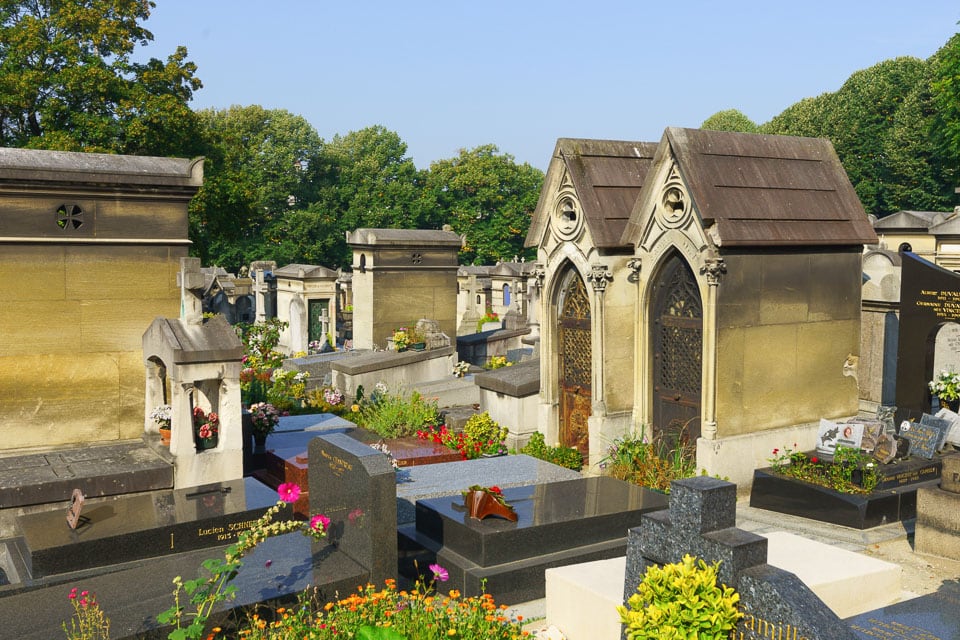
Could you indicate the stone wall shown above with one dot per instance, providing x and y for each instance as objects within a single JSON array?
[{"x": 89, "y": 251}]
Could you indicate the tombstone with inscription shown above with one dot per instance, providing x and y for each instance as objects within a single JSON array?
[
  {"x": 928, "y": 336},
  {"x": 355, "y": 486},
  {"x": 701, "y": 522}
]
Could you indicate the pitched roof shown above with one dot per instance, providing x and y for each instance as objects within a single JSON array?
[
  {"x": 912, "y": 220},
  {"x": 763, "y": 190},
  {"x": 296, "y": 270},
  {"x": 607, "y": 176}
]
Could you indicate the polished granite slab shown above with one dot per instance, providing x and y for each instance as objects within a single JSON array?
[
  {"x": 935, "y": 616},
  {"x": 134, "y": 527},
  {"x": 783, "y": 494},
  {"x": 550, "y": 517}
]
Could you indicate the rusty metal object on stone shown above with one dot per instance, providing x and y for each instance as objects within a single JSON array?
[{"x": 76, "y": 505}]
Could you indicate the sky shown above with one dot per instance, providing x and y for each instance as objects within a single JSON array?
[{"x": 455, "y": 75}]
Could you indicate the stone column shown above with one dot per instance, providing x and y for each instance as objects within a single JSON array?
[
  {"x": 190, "y": 281},
  {"x": 712, "y": 269},
  {"x": 599, "y": 276}
]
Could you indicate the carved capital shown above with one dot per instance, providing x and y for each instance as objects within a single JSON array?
[
  {"x": 599, "y": 276},
  {"x": 634, "y": 265},
  {"x": 713, "y": 268}
]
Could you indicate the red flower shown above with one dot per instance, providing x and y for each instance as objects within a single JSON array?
[
  {"x": 814, "y": 460},
  {"x": 495, "y": 489},
  {"x": 776, "y": 451}
]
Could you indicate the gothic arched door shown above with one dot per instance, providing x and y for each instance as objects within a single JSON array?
[
  {"x": 575, "y": 364},
  {"x": 677, "y": 325}
]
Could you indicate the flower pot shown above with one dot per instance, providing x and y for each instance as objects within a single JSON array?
[
  {"x": 259, "y": 443},
  {"x": 165, "y": 433},
  {"x": 481, "y": 504},
  {"x": 418, "y": 346},
  {"x": 206, "y": 443},
  {"x": 953, "y": 405}
]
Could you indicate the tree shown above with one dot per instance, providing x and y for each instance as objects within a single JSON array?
[
  {"x": 67, "y": 80},
  {"x": 945, "y": 90},
  {"x": 261, "y": 164},
  {"x": 729, "y": 120},
  {"x": 367, "y": 180},
  {"x": 487, "y": 197}
]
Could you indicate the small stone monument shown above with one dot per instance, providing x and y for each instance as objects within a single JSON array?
[{"x": 938, "y": 513}]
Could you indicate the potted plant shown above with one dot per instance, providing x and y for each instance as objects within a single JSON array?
[
  {"x": 401, "y": 339},
  {"x": 264, "y": 417},
  {"x": 162, "y": 415},
  {"x": 483, "y": 501},
  {"x": 946, "y": 386},
  {"x": 417, "y": 340},
  {"x": 206, "y": 427}
]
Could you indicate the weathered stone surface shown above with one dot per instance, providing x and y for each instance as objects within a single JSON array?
[{"x": 938, "y": 523}]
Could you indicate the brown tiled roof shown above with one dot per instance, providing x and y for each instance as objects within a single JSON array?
[
  {"x": 607, "y": 176},
  {"x": 762, "y": 190}
]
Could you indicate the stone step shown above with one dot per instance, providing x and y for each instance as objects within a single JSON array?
[
  {"x": 582, "y": 599},
  {"x": 450, "y": 391}
]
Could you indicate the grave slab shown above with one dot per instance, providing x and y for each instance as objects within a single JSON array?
[
  {"x": 135, "y": 527},
  {"x": 935, "y": 616},
  {"x": 775, "y": 492},
  {"x": 558, "y": 523}
]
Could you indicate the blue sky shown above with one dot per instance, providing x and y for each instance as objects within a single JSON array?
[{"x": 451, "y": 75}]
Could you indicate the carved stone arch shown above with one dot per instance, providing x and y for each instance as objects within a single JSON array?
[
  {"x": 575, "y": 360},
  {"x": 676, "y": 329}
]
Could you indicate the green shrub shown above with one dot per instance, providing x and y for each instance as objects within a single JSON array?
[
  {"x": 563, "y": 456},
  {"x": 480, "y": 427},
  {"x": 681, "y": 601},
  {"x": 394, "y": 416},
  {"x": 649, "y": 464}
]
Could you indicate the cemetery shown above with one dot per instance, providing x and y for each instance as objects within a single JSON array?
[{"x": 714, "y": 306}]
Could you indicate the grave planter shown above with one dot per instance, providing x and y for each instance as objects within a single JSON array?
[
  {"x": 480, "y": 505},
  {"x": 418, "y": 346},
  {"x": 206, "y": 443},
  {"x": 165, "y": 436},
  {"x": 259, "y": 443},
  {"x": 783, "y": 494}
]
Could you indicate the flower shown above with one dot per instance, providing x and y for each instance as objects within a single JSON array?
[
  {"x": 439, "y": 573},
  {"x": 162, "y": 415},
  {"x": 206, "y": 425},
  {"x": 264, "y": 417},
  {"x": 814, "y": 459},
  {"x": 319, "y": 522},
  {"x": 289, "y": 491},
  {"x": 946, "y": 385},
  {"x": 493, "y": 491}
]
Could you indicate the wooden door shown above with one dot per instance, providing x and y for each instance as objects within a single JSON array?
[
  {"x": 575, "y": 365},
  {"x": 677, "y": 326}
]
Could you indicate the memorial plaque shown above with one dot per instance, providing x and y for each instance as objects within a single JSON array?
[
  {"x": 886, "y": 448},
  {"x": 871, "y": 433},
  {"x": 939, "y": 423},
  {"x": 76, "y": 505},
  {"x": 850, "y": 435},
  {"x": 827, "y": 437},
  {"x": 953, "y": 432},
  {"x": 923, "y": 439},
  {"x": 886, "y": 416}
]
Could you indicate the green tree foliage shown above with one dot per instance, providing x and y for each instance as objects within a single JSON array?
[
  {"x": 729, "y": 120},
  {"x": 67, "y": 80},
  {"x": 261, "y": 165},
  {"x": 945, "y": 94},
  {"x": 366, "y": 179},
  {"x": 879, "y": 122},
  {"x": 486, "y": 196}
]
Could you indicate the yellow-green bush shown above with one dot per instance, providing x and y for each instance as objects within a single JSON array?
[{"x": 681, "y": 601}]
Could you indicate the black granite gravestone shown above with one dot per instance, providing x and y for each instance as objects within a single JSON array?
[
  {"x": 701, "y": 522},
  {"x": 935, "y": 616},
  {"x": 355, "y": 486},
  {"x": 929, "y": 298}
]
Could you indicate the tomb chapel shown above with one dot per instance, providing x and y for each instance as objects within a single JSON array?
[{"x": 703, "y": 291}]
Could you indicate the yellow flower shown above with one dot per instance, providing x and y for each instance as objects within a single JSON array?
[{"x": 451, "y": 632}]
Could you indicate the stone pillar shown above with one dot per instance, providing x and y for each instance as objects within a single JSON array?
[
  {"x": 153, "y": 396},
  {"x": 599, "y": 276},
  {"x": 712, "y": 269},
  {"x": 468, "y": 321},
  {"x": 190, "y": 281}
]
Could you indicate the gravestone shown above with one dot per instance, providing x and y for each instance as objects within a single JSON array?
[
  {"x": 946, "y": 348},
  {"x": 935, "y": 616},
  {"x": 701, "y": 522},
  {"x": 929, "y": 304},
  {"x": 355, "y": 486}
]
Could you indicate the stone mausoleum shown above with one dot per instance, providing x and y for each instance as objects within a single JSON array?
[
  {"x": 89, "y": 252},
  {"x": 703, "y": 290}
]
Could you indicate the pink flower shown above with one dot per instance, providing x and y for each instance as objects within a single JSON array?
[
  {"x": 205, "y": 431},
  {"x": 73, "y": 594},
  {"x": 439, "y": 573},
  {"x": 289, "y": 492},
  {"x": 319, "y": 522}
]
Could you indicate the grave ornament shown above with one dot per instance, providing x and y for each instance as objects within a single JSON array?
[{"x": 73, "y": 512}]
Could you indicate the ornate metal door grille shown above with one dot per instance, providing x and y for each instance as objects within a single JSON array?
[
  {"x": 575, "y": 365},
  {"x": 678, "y": 349}
]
